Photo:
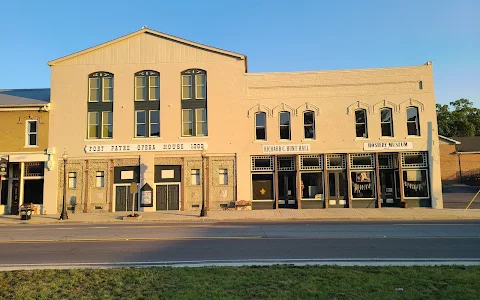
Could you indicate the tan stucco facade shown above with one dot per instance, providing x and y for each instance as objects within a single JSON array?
[
  {"x": 233, "y": 98},
  {"x": 14, "y": 130}
]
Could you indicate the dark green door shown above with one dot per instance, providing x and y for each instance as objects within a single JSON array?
[
  {"x": 168, "y": 197},
  {"x": 162, "y": 194},
  {"x": 121, "y": 198}
]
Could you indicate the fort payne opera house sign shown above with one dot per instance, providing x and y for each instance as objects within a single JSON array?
[{"x": 158, "y": 147}]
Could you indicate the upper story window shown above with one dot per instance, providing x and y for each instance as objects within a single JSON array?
[
  {"x": 100, "y": 105},
  {"x": 386, "y": 121},
  {"x": 361, "y": 123},
  {"x": 309, "y": 125},
  {"x": 284, "y": 119},
  {"x": 261, "y": 126},
  {"x": 194, "y": 103},
  {"x": 147, "y": 104},
  {"x": 32, "y": 133},
  {"x": 413, "y": 122}
]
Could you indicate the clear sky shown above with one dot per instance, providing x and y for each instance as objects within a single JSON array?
[{"x": 276, "y": 35}]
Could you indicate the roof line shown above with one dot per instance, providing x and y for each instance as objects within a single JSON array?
[
  {"x": 154, "y": 32},
  {"x": 449, "y": 139}
]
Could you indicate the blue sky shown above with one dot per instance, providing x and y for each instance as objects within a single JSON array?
[{"x": 275, "y": 35}]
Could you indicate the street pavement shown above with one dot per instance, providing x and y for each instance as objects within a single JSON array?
[{"x": 80, "y": 245}]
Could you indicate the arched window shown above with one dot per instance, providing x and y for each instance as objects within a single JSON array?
[
  {"x": 261, "y": 126},
  {"x": 386, "y": 121},
  {"x": 361, "y": 123},
  {"x": 309, "y": 125},
  {"x": 100, "y": 105},
  {"x": 194, "y": 102},
  {"x": 147, "y": 104},
  {"x": 284, "y": 124},
  {"x": 413, "y": 121}
]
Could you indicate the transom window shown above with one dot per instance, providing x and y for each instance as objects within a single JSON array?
[
  {"x": 194, "y": 102},
  {"x": 32, "y": 133},
  {"x": 262, "y": 163},
  {"x": 311, "y": 162},
  {"x": 309, "y": 125},
  {"x": 386, "y": 121},
  {"x": 147, "y": 104},
  {"x": 284, "y": 119},
  {"x": 362, "y": 161},
  {"x": 414, "y": 159},
  {"x": 261, "y": 126},
  {"x": 413, "y": 124},
  {"x": 286, "y": 163},
  {"x": 147, "y": 85},
  {"x": 336, "y": 161},
  {"x": 361, "y": 123},
  {"x": 100, "y": 105}
]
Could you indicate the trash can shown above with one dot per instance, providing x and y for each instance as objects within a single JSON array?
[{"x": 26, "y": 211}]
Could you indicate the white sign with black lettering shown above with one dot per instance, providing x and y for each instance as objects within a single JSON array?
[
  {"x": 145, "y": 147},
  {"x": 388, "y": 146},
  {"x": 286, "y": 148}
]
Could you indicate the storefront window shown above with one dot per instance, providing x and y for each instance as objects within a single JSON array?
[
  {"x": 312, "y": 185},
  {"x": 415, "y": 183},
  {"x": 262, "y": 186},
  {"x": 363, "y": 184}
]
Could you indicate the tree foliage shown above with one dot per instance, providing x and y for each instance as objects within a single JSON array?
[{"x": 460, "y": 118}]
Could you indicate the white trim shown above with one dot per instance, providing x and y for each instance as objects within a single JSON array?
[
  {"x": 150, "y": 123},
  {"x": 255, "y": 126},
  {"x": 27, "y": 133},
  {"x": 136, "y": 123},
  {"x": 314, "y": 126},
  {"x": 90, "y": 88},
  {"x": 103, "y": 88},
  {"x": 471, "y": 152},
  {"x": 289, "y": 126},
  {"x": 191, "y": 122},
  {"x": 106, "y": 124},
  {"x": 153, "y": 86},
  {"x": 200, "y": 122},
  {"x": 449, "y": 139},
  {"x": 204, "y": 86},
  {"x": 191, "y": 89},
  {"x": 88, "y": 125},
  {"x": 392, "y": 134}
]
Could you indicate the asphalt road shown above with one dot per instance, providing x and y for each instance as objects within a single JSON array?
[{"x": 235, "y": 243}]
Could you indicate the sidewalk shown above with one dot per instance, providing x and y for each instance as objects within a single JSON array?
[{"x": 331, "y": 214}]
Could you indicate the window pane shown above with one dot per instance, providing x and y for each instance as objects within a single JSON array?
[
  {"x": 201, "y": 128},
  {"x": 284, "y": 132},
  {"x": 140, "y": 93},
  {"x": 187, "y": 115},
  {"x": 107, "y": 94},
  {"x": 93, "y": 118},
  {"x": 107, "y": 117},
  {"x": 100, "y": 179},
  {"x": 186, "y": 80},
  {"x": 335, "y": 161},
  {"x": 386, "y": 115},
  {"x": 361, "y": 130},
  {"x": 187, "y": 129},
  {"x": 155, "y": 130},
  {"x": 195, "y": 177},
  {"x": 32, "y": 139},
  {"x": 93, "y": 131},
  {"x": 312, "y": 185},
  {"x": 360, "y": 116},
  {"x": 413, "y": 159},
  {"x": 386, "y": 129},
  {"x": 94, "y": 83},
  {"x": 186, "y": 92},
  {"x": 308, "y": 118},
  {"x": 141, "y": 132},
  {"x": 201, "y": 114},
  {"x": 94, "y": 95},
  {"x": 107, "y": 131},
  {"x": 154, "y": 116},
  {"x": 260, "y": 119},
  {"x": 154, "y": 93},
  {"x": 200, "y": 92},
  {"x": 141, "y": 117},
  {"x": 140, "y": 81},
  {"x": 260, "y": 133},
  {"x": 361, "y": 161},
  {"x": 32, "y": 126},
  {"x": 363, "y": 184},
  {"x": 200, "y": 79},
  {"x": 412, "y": 114},
  {"x": 223, "y": 176},
  {"x": 262, "y": 186},
  {"x": 108, "y": 82},
  {"x": 154, "y": 81},
  {"x": 415, "y": 183},
  {"x": 309, "y": 132},
  {"x": 284, "y": 118},
  {"x": 412, "y": 128}
]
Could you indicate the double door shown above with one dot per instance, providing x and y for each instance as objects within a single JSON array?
[
  {"x": 287, "y": 190},
  {"x": 337, "y": 189},
  {"x": 168, "y": 197},
  {"x": 388, "y": 188},
  {"x": 124, "y": 199}
]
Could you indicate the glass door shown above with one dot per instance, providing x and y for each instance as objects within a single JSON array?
[
  {"x": 337, "y": 189},
  {"x": 287, "y": 191}
]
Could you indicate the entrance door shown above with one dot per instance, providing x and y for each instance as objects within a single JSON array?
[
  {"x": 337, "y": 189},
  {"x": 287, "y": 190},
  {"x": 168, "y": 197},
  {"x": 387, "y": 186},
  {"x": 123, "y": 199},
  {"x": 15, "y": 197}
]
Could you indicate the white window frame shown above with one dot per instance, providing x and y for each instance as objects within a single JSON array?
[
  {"x": 312, "y": 125},
  {"x": 311, "y": 168},
  {"x": 72, "y": 180},
  {"x": 106, "y": 124},
  {"x": 342, "y": 167},
  {"x": 360, "y": 167},
  {"x": 289, "y": 126},
  {"x": 136, "y": 123},
  {"x": 390, "y": 123},
  {"x": 142, "y": 87},
  {"x": 28, "y": 133},
  {"x": 257, "y": 126},
  {"x": 197, "y": 122},
  {"x": 90, "y": 89},
  {"x": 195, "y": 177},
  {"x": 270, "y": 168},
  {"x": 150, "y": 123},
  {"x": 364, "y": 124},
  {"x": 290, "y": 159},
  {"x": 183, "y": 85},
  {"x": 223, "y": 176},
  {"x": 203, "y": 85},
  {"x": 97, "y": 124},
  {"x": 153, "y": 86},
  {"x": 417, "y": 121},
  {"x": 189, "y": 122},
  {"x": 100, "y": 175},
  {"x": 105, "y": 88}
]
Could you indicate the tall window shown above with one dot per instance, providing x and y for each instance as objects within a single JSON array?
[
  {"x": 100, "y": 179},
  {"x": 261, "y": 126},
  {"x": 223, "y": 176},
  {"x": 32, "y": 133},
  {"x": 309, "y": 125},
  {"x": 195, "y": 177},
  {"x": 100, "y": 105},
  {"x": 147, "y": 104},
  {"x": 284, "y": 117},
  {"x": 72, "y": 180},
  {"x": 361, "y": 123},
  {"x": 386, "y": 121},
  {"x": 194, "y": 102},
  {"x": 413, "y": 122}
]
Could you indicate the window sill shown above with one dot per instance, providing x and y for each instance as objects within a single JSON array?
[
  {"x": 259, "y": 141},
  {"x": 98, "y": 140},
  {"x": 284, "y": 141},
  {"x": 308, "y": 140},
  {"x": 193, "y": 137},
  {"x": 413, "y": 137},
  {"x": 147, "y": 138},
  {"x": 31, "y": 146},
  {"x": 361, "y": 139},
  {"x": 386, "y": 138}
]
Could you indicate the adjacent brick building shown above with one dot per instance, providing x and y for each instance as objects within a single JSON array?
[{"x": 460, "y": 160}]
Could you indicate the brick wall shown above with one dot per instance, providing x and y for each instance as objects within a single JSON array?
[{"x": 454, "y": 166}]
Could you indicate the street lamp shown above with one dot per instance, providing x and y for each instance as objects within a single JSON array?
[
  {"x": 203, "y": 212},
  {"x": 64, "y": 214}
]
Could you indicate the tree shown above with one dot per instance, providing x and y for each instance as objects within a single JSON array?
[{"x": 463, "y": 120}]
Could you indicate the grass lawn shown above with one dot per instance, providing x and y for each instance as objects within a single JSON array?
[{"x": 276, "y": 282}]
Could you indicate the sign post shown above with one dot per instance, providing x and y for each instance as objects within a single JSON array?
[{"x": 133, "y": 190}]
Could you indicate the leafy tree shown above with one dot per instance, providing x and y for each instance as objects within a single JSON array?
[{"x": 463, "y": 120}]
